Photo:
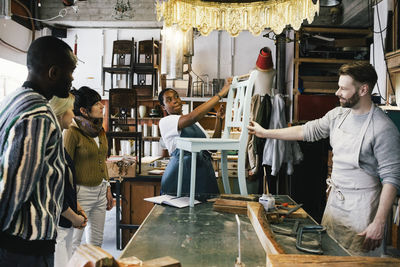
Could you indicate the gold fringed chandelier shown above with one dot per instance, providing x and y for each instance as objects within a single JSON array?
[{"x": 236, "y": 17}]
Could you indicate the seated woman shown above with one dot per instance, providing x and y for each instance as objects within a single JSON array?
[{"x": 177, "y": 125}]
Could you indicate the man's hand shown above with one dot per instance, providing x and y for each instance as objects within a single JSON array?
[
  {"x": 256, "y": 129},
  {"x": 109, "y": 199},
  {"x": 373, "y": 235}
]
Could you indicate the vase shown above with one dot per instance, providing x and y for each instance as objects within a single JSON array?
[{"x": 142, "y": 111}]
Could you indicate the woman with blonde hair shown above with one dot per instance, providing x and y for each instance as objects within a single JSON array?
[{"x": 72, "y": 214}]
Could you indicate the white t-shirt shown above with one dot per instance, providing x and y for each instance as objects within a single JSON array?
[{"x": 169, "y": 131}]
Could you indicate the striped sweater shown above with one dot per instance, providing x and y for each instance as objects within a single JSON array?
[{"x": 32, "y": 166}]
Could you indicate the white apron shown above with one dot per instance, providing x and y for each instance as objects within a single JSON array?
[{"x": 354, "y": 197}]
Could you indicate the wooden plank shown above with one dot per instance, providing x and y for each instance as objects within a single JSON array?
[
  {"x": 320, "y": 85},
  {"x": 230, "y": 206},
  {"x": 320, "y": 91},
  {"x": 90, "y": 255},
  {"x": 320, "y": 78},
  {"x": 326, "y": 60},
  {"x": 286, "y": 260},
  {"x": 249, "y": 197},
  {"x": 336, "y": 30},
  {"x": 256, "y": 214}
]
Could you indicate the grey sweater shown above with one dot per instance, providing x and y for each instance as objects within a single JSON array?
[{"x": 380, "y": 149}]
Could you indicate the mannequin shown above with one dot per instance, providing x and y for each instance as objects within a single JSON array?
[{"x": 266, "y": 73}]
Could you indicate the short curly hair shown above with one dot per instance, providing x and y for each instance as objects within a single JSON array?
[{"x": 361, "y": 72}]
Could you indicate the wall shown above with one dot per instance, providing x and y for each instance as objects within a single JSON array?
[
  {"x": 377, "y": 57},
  {"x": 22, "y": 40},
  {"x": 95, "y": 49}
]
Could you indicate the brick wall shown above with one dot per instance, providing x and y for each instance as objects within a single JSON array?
[{"x": 98, "y": 10}]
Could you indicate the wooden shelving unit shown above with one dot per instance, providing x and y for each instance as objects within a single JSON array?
[{"x": 319, "y": 52}]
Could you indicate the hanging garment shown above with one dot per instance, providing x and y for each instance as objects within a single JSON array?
[
  {"x": 206, "y": 182},
  {"x": 277, "y": 151},
  {"x": 354, "y": 197},
  {"x": 260, "y": 113}
]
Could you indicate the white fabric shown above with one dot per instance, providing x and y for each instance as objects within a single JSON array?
[
  {"x": 263, "y": 83},
  {"x": 352, "y": 203},
  {"x": 169, "y": 131},
  {"x": 63, "y": 250},
  {"x": 277, "y": 151},
  {"x": 96, "y": 139},
  {"x": 93, "y": 201}
]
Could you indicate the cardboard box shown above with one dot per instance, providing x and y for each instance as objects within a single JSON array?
[{"x": 116, "y": 164}]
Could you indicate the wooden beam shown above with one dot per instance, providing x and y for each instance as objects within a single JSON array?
[
  {"x": 256, "y": 214},
  {"x": 290, "y": 260}
]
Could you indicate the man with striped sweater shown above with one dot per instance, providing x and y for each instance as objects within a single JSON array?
[{"x": 32, "y": 161}]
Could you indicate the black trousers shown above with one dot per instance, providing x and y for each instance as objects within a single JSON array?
[{"x": 8, "y": 258}]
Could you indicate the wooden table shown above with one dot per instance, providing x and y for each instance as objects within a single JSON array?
[
  {"x": 133, "y": 209},
  {"x": 195, "y": 236},
  {"x": 199, "y": 236}
]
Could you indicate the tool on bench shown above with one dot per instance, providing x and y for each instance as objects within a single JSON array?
[
  {"x": 239, "y": 262},
  {"x": 289, "y": 210},
  {"x": 310, "y": 229},
  {"x": 267, "y": 200},
  {"x": 297, "y": 232}
]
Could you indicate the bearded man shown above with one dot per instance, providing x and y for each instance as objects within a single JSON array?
[{"x": 366, "y": 161}]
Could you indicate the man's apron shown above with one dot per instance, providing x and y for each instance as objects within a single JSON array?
[{"x": 354, "y": 196}]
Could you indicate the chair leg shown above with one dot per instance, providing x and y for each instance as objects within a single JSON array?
[
  {"x": 180, "y": 174},
  {"x": 224, "y": 169},
  {"x": 193, "y": 179},
  {"x": 242, "y": 172}
]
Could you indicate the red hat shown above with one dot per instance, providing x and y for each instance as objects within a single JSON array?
[{"x": 264, "y": 60}]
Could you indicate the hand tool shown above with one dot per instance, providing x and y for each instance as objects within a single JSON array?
[{"x": 309, "y": 229}]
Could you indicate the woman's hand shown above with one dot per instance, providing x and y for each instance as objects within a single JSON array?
[
  {"x": 109, "y": 199},
  {"x": 221, "y": 112},
  {"x": 224, "y": 91},
  {"x": 79, "y": 221}
]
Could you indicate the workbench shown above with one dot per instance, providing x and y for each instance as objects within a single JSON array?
[{"x": 199, "y": 236}]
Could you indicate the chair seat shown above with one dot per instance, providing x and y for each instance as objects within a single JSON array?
[
  {"x": 198, "y": 144},
  {"x": 117, "y": 70}
]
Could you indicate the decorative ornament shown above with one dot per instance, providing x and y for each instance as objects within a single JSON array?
[
  {"x": 236, "y": 17},
  {"x": 122, "y": 9}
]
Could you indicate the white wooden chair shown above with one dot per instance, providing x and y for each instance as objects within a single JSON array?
[{"x": 237, "y": 115}]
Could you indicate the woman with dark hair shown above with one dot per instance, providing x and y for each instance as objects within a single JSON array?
[
  {"x": 86, "y": 143},
  {"x": 177, "y": 125}
]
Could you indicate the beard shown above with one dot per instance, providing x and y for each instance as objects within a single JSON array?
[{"x": 350, "y": 102}]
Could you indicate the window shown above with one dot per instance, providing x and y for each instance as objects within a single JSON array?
[{"x": 12, "y": 76}]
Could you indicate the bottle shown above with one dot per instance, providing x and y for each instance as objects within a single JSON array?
[{"x": 268, "y": 201}]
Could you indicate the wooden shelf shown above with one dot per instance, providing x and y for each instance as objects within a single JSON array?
[
  {"x": 315, "y": 65},
  {"x": 326, "y": 60}
]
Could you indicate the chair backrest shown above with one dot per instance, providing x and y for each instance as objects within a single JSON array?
[
  {"x": 122, "y": 101},
  {"x": 148, "y": 51},
  {"x": 123, "y": 54},
  {"x": 238, "y": 106}
]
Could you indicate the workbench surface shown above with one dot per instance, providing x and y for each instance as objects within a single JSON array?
[
  {"x": 195, "y": 236},
  {"x": 200, "y": 236}
]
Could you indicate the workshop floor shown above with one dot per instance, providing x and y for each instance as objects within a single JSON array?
[
  {"x": 110, "y": 235},
  {"x": 109, "y": 239}
]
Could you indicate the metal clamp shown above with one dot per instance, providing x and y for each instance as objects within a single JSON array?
[{"x": 309, "y": 229}]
